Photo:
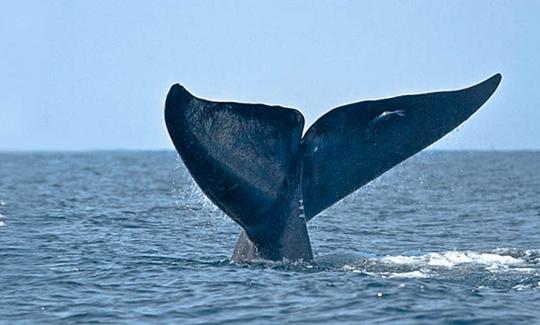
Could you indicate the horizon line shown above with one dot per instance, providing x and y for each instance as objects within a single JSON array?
[{"x": 24, "y": 151}]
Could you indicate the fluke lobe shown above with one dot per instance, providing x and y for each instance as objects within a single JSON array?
[{"x": 252, "y": 161}]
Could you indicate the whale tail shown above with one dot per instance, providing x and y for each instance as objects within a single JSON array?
[
  {"x": 246, "y": 159},
  {"x": 253, "y": 163}
]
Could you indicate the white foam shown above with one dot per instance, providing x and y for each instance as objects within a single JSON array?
[
  {"x": 413, "y": 274},
  {"x": 2, "y": 224},
  {"x": 524, "y": 269},
  {"x": 394, "y": 275},
  {"x": 2, "y": 203},
  {"x": 2, "y": 216},
  {"x": 532, "y": 252},
  {"x": 352, "y": 268},
  {"x": 429, "y": 265},
  {"x": 521, "y": 287},
  {"x": 400, "y": 259},
  {"x": 453, "y": 258}
]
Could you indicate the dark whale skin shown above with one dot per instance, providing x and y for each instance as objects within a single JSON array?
[{"x": 253, "y": 163}]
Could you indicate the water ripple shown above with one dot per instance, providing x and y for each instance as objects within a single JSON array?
[{"x": 124, "y": 237}]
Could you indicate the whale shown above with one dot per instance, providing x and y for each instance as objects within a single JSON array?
[{"x": 256, "y": 163}]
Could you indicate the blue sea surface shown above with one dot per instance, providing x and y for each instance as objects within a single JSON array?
[{"x": 127, "y": 237}]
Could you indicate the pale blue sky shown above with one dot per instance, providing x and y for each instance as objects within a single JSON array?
[{"x": 94, "y": 74}]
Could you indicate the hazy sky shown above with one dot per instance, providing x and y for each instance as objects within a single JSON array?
[{"x": 94, "y": 74}]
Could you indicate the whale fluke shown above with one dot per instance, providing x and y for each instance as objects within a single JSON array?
[
  {"x": 253, "y": 163},
  {"x": 245, "y": 158},
  {"x": 353, "y": 144}
]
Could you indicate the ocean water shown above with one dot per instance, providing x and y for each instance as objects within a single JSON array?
[{"x": 126, "y": 237}]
